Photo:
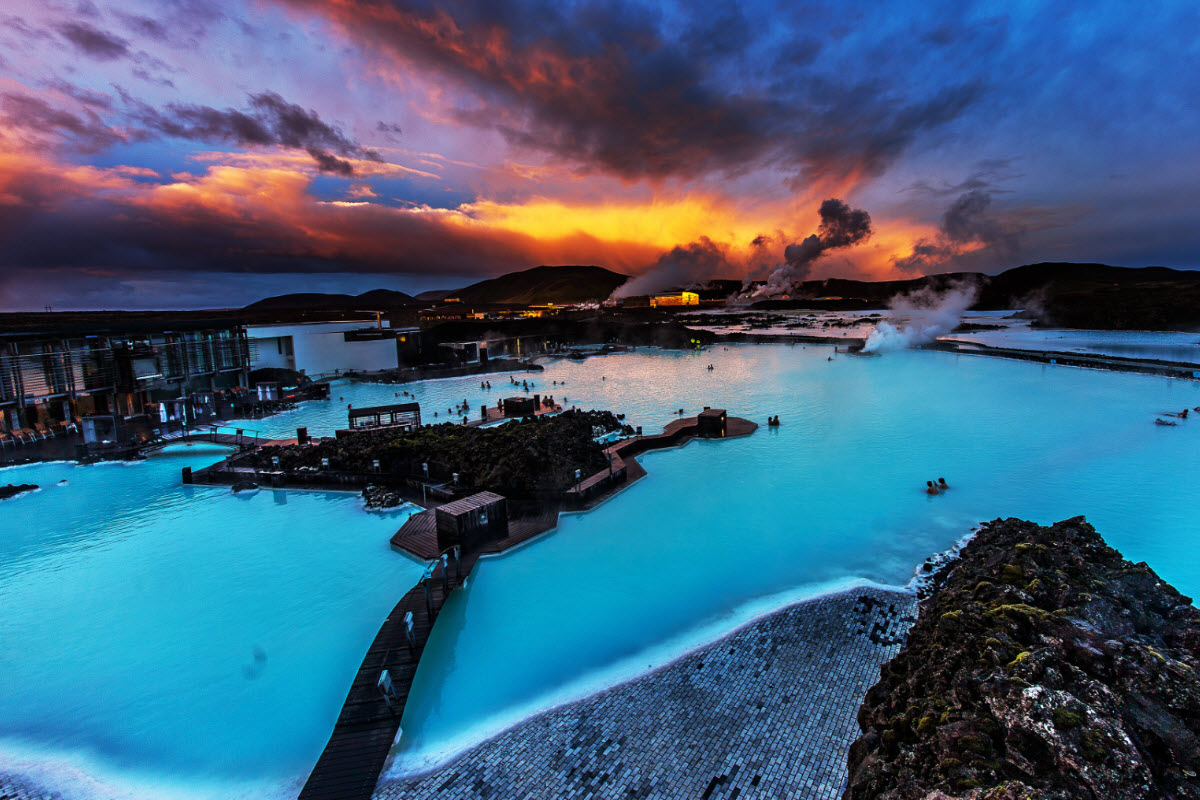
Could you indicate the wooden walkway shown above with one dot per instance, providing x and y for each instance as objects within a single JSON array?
[{"x": 366, "y": 729}]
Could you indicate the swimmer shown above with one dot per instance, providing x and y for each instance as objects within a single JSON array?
[
  {"x": 942, "y": 485},
  {"x": 930, "y": 488}
]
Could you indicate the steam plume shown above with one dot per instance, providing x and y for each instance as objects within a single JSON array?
[
  {"x": 929, "y": 314},
  {"x": 841, "y": 226}
]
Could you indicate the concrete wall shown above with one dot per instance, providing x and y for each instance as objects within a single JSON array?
[
  {"x": 272, "y": 352},
  {"x": 321, "y": 348}
]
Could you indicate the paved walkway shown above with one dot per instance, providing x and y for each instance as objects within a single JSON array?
[
  {"x": 767, "y": 712},
  {"x": 14, "y": 788}
]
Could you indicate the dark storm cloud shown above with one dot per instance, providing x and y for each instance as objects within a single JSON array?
[
  {"x": 269, "y": 120},
  {"x": 968, "y": 221},
  {"x": 623, "y": 88},
  {"x": 98, "y": 44}
]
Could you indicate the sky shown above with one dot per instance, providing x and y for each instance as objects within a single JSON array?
[{"x": 206, "y": 153}]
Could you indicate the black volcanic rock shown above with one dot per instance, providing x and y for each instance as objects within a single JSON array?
[
  {"x": 1043, "y": 666},
  {"x": 12, "y": 490}
]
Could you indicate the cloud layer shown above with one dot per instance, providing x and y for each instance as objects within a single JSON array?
[{"x": 419, "y": 140}]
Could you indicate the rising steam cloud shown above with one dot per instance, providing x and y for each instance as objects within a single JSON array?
[
  {"x": 684, "y": 266},
  {"x": 841, "y": 226},
  {"x": 928, "y": 314}
]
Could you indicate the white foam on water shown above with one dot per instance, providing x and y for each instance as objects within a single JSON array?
[{"x": 82, "y": 775}]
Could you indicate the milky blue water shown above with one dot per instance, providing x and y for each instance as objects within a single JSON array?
[
  {"x": 832, "y": 496},
  {"x": 162, "y": 639},
  {"x": 169, "y": 639},
  {"x": 1161, "y": 345}
]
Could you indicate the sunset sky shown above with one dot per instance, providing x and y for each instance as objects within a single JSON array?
[{"x": 197, "y": 153}]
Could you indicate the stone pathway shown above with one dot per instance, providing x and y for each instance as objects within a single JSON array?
[
  {"x": 13, "y": 788},
  {"x": 767, "y": 712}
]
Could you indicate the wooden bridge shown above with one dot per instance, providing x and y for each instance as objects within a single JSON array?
[{"x": 366, "y": 729}]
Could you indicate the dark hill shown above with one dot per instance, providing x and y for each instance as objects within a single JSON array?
[
  {"x": 545, "y": 285},
  {"x": 376, "y": 299},
  {"x": 1059, "y": 294}
]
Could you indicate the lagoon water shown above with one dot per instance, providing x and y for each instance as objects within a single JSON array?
[
  {"x": 716, "y": 532},
  {"x": 159, "y": 640},
  {"x": 831, "y": 497}
]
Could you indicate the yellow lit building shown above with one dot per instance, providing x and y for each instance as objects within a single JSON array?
[{"x": 675, "y": 299}]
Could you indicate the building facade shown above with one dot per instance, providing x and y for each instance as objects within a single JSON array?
[
  {"x": 329, "y": 349},
  {"x": 55, "y": 376}
]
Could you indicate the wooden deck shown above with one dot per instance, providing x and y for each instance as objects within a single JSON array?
[
  {"x": 495, "y": 415},
  {"x": 366, "y": 729}
]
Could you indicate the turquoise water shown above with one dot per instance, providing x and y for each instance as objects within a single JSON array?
[
  {"x": 184, "y": 641},
  {"x": 833, "y": 496},
  {"x": 157, "y": 639}
]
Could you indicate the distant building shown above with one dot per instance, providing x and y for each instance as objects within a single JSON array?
[
  {"x": 54, "y": 376},
  {"x": 445, "y": 313},
  {"x": 675, "y": 299},
  {"x": 328, "y": 349}
]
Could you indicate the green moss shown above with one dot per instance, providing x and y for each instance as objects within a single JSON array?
[
  {"x": 1066, "y": 720},
  {"x": 1035, "y": 586},
  {"x": 1011, "y": 573},
  {"x": 979, "y": 587},
  {"x": 973, "y": 743},
  {"x": 951, "y": 616},
  {"x": 1021, "y": 658},
  {"x": 949, "y": 764},
  {"x": 1095, "y": 745},
  {"x": 927, "y": 725},
  {"x": 1014, "y": 610},
  {"x": 967, "y": 784}
]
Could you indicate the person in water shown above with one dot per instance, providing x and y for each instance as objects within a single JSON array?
[
  {"x": 942, "y": 484},
  {"x": 930, "y": 488}
]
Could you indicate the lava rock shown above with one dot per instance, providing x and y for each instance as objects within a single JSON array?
[
  {"x": 12, "y": 490},
  {"x": 245, "y": 486},
  {"x": 1043, "y": 665}
]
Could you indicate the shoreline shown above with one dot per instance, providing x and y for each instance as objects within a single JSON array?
[{"x": 709, "y": 717}]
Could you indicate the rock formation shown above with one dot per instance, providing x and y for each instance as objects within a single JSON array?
[{"x": 1043, "y": 666}]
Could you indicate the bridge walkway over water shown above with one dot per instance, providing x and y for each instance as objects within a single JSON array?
[{"x": 366, "y": 729}]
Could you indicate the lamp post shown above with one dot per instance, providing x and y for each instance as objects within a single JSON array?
[{"x": 425, "y": 467}]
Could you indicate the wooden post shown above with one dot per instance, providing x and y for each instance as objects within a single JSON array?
[{"x": 428, "y": 601}]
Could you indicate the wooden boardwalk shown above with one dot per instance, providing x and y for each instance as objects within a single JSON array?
[{"x": 366, "y": 729}]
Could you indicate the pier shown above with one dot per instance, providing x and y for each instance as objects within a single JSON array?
[{"x": 366, "y": 729}]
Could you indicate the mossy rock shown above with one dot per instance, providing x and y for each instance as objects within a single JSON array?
[
  {"x": 973, "y": 743},
  {"x": 1095, "y": 745},
  {"x": 1012, "y": 574},
  {"x": 1021, "y": 658},
  {"x": 1020, "y": 610},
  {"x": 1065, "y": 719}
]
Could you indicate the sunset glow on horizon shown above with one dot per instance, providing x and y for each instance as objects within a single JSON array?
[{"x": 426, "y": 145}]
